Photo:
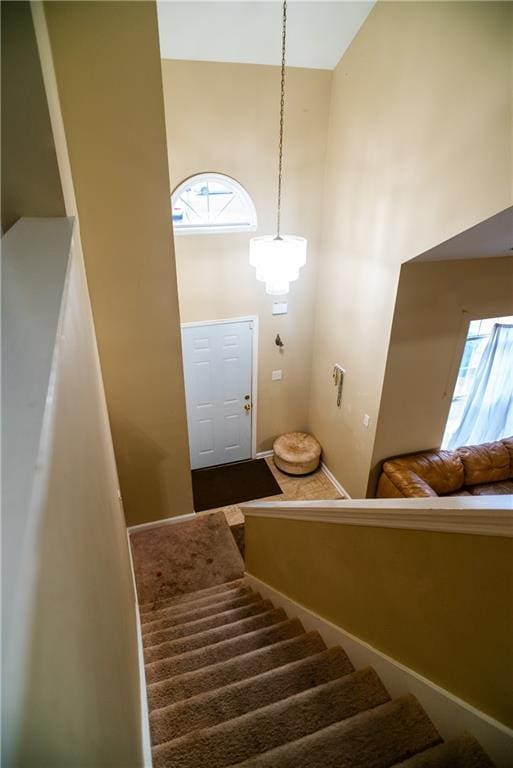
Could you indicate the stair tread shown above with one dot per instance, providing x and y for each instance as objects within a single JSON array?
[
  {"x": 189, "y": 604},
  {"x": 214, "y": 635},
  {"x": 272, "y": 726},
  {"x": 232, "y": 681},
  {"x": 202, "y": 657},
  {"x": 376, "y": 738},
  {"x": 175, "y": 619},
  {"x": 209, "y": 622},
  {"x": 246, "y": 665},
  {"x": 197, "y": 594},
  {"x": 263, "y": 729},
  {"x": 461, "y": 752},
  {"x": 235, "y": 699}
]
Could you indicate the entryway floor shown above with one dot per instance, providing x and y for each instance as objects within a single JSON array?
[{"x": 313, "y": 487}]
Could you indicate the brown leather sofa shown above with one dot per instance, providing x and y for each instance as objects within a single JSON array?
[{"x": 473, "y": 470}]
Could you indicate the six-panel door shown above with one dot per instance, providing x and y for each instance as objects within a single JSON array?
[{"x": 217, "y": 370}]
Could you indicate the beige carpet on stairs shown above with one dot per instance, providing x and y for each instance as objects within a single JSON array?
[
  {"x": 233, "y": 681},
  {"x": 179, "y": 558}
]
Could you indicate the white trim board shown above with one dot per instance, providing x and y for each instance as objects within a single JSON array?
[
  {"x": 254, "y": 365},
  {"x": 263, "y": 454},
  {"x": 329, "y": 474},
  {"x": 333, "y": 480},
  {"x": 492, "y": 519},
  {"x": 158, "y": 523},
  {"x": 223, "y": 321},
  {"x": 145, "y": 716},
  {"x": 450, "y": 714}
]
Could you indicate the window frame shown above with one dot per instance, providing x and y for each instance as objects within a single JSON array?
[
  {"x": 468, "y": 337},
  {"x": 213, "y": 229}
]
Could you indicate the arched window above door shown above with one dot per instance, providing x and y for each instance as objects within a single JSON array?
[{"x": 212, "y": 202}]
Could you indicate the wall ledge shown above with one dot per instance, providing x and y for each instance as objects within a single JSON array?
[{"x": 493, "y": 517}]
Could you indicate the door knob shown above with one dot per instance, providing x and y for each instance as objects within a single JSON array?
[{"x": 247, "y": 407}]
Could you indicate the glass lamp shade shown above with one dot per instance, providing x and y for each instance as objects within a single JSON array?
[{"x": 277, "y": 261}]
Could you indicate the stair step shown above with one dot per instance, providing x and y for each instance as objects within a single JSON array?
[
  {"x": 284, "y": 721},
  {"x": 462, "y": 752},
  {"x": 376, "y": 738},
  {"x": 216, "y": 706},
  {"x": 212, "y": 637},
  {"x": 165, "y": 611},
  {"x": 210, "y": 622},
  {"x": 234, "y": 646},
  {"x": 196, "y": 595},
  {"x": 275, "y": 650},
  {"x": 187, "y": 616}
]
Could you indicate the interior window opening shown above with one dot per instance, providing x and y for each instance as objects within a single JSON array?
[{"x": 482, "y": 405}]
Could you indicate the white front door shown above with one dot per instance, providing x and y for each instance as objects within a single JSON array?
[{"x": 217, "y": 369}]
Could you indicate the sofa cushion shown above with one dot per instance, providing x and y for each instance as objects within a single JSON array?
[
  {"x": 492, "y": 489},
  {"x": 485, "y": 463},
  {"x": 442, "y": 471}
]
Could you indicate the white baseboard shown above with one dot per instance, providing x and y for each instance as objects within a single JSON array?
[
  {"x": 145, "y": 717},
  {"x": 450, "y": 714},
  {"x": 329, "y": 474},
  {"x": 263, "y": 454},
  {"x": 158, "y": 523},
  {"x": 331, "y": 477}
]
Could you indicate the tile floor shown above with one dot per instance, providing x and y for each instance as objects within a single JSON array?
[{"x": 306, "y": 488}]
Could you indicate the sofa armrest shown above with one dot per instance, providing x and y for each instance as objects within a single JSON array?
[
  {"x": 395, "y": 483},
  {"x": 387, "y": 490}
]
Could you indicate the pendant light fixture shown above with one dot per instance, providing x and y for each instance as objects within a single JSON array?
[{"x": 278, "y": 258}]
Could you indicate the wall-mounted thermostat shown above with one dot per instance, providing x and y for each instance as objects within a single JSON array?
[{"x": 280, "y": 307}]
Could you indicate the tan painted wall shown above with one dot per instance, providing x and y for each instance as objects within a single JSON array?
[
  {"x": 444, "y": 608},
  {"x": 83, "y": 695},
  {"x": 70, "y": 682},
  {"x": 419, "y": 149},
  {"x": 30, "y": 177},
  {"x": 435, "y": 303},
  {"x": 224, "y": 117},
  {"x": 107, "y": 64}
]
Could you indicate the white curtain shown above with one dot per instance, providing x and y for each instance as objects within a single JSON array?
[{"x": 488, "y": 412}]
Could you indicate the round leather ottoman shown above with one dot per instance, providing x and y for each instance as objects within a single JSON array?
[{"x": 297, "y": 453}]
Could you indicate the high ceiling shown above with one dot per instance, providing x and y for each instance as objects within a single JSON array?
[{"x": 318, "y": 32}]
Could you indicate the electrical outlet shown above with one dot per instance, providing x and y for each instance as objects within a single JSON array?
[
  {"x": 276, "y": 375},
  {"x": 366, "y": 419}
]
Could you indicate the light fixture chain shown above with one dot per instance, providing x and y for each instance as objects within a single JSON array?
[{"x": 282, "y": 110}]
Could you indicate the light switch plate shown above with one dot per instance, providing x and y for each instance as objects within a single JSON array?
[
  {"x": 276, "y": 375},
  {"x": 280, "y": 308}
]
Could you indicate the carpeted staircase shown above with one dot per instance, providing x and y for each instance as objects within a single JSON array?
[{"x": 233, "y": 681}]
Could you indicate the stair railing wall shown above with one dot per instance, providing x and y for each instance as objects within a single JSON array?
[
  {"x": 427, "y": 582},
  {"x": 71, "y": 670}
]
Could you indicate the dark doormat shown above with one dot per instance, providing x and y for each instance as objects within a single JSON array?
[{"x": 232, "y": 484}]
